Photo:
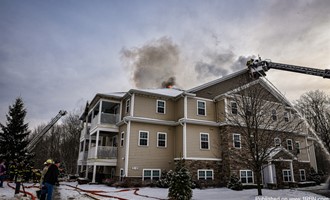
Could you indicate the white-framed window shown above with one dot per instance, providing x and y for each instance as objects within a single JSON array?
[
  {"x": 246, "y": 176},
  {"x": 297, "y": 146},
  {"x": 302, "y": 174},
  {"x": 205, "y": 174},
  {"x": 277, "y": 142},
  {"x": 201, "y": 107},
  {"x": 204, "y": 141},
  {"x": 237, "y": 140},
  {"x": 233, "y": 106},
  {"x": 286, "y": 116},
  {"x": 151, "y": 174},
  {"x": 287, "y": 177},
  {"x": 143, "y": 138},
  {"x": 122, "y": 138},
  {"x": 161, "y": 106},
  {"x": 128, "y": 102},
  {"x": 161, "y": 139},
  {"x": 274, "y": 115},
  {"x": 289, "y": 144}
]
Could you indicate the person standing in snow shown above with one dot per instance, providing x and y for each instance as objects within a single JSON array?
[
  {"x": 51, "y": 178},
  {"x": 2, "y": 172}
]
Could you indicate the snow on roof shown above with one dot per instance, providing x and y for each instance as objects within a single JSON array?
[{"x": 171, "y": 92}]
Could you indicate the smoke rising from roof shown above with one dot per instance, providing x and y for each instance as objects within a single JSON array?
[
  {"x": 153, "y": 64},
  {"x": 220, "y": 64}
]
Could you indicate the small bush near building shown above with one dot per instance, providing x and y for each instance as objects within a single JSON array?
[{"x": 234, "y": 183}]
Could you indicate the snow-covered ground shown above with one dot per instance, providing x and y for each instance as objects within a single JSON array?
[{"x": 68, "y": 190}]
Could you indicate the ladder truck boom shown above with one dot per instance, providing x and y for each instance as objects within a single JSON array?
[
  {"x": 39, "y": 135},
  {"x": 258, "y": 68}
]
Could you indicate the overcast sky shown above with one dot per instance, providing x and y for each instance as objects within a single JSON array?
[{"x": 59, "y": 54}]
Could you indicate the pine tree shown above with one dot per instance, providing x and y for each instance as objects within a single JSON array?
[
  {"x": 180, "y": 184},
  {"x": 14, "y": 135}
]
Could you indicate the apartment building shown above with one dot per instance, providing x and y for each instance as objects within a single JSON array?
[{"x": 142, "y": 132}]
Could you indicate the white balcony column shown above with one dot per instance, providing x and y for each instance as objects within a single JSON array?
[
  {"x": 100, "y": 113},
  {"x": 94, "y": 173},
  {"x": 291, "y": 169},
  {"x": 97, "y": 143},
  {"x": 270, "y": 170},
  {"x": 184, "y": 131}
]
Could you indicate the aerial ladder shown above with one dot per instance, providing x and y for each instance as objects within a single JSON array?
[
  {"x": 258, "y": 67},
  {"x": 34, "y": 141}
]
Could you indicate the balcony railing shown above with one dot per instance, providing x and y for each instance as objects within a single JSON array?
[
  {"x": 106, "y": 118},
  {"x": 83, "y": 155},
  {"x": 103, "y": 152}
]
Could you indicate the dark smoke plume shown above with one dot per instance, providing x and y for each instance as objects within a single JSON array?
[
  {"x": 153, "y": 64},
  {"x": 220, "y": 64}
]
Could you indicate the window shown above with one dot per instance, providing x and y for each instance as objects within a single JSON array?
[
  {"x": 248, "y": 110},
  {"x": 81, "y": 146},
  {"x": 234, "y": 108},
  {"x": 204, "y": 139},
  {"x": 128, "y": 105},
  {"x": 201, "y": 108},
  {"x": 237, "y": 140},
  {"x": 302, "y": 175},
  {"x": 286, "y": 116},
  {"x": 246, "y": 176},
  {"x": 143, "y": 138},
  {"x": 161, "y": 140},
  {"x": 122, "y": 138},
  {"x": 205, "y": 174},
  {"x": 151, "y": 174},
  {"x": 274, "y": 116},
  {"x": 277, "y": 142},
  {"x": 289, "y": 145},
  {"x": 161, "y": 106},
  {"x": 297, "y": 146},
  {"x": 287, "y": 175}
]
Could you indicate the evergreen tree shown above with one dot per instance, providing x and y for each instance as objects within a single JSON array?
[
  {"x": 14, "y": 135},
  {"x": 180, "y": 184}
]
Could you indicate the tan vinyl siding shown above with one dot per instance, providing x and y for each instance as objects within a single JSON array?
[
  {"x": 192, "y": 109},
  {"x": 179, "y": 109},
  {"x": 145, "y": 106},
  {"x": 121, "y": 150},
  {"x": 193, "y": 141},
  {"x": 151, "y": 156},
  {"x": 221, "y": 109},
  {"x": 178, "y": 148}
]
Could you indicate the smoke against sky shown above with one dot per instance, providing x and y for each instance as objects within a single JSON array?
[
  {"x": 153, "y": 64},
  {"x": 59, "y": 54}
]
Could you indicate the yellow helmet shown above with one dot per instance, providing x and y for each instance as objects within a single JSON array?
[{"x": 49, "y": 161}]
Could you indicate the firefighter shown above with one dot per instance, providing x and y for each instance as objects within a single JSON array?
[{"x": 19, "y": 174}]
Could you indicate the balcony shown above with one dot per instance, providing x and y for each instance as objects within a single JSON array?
[
  {"x": 83, "y": 156},
  {"x": 103, "y": 152}
]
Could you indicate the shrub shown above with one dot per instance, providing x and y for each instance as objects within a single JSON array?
[{"x": 234, "y": 183}]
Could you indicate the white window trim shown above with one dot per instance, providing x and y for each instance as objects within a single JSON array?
[
  {"x": 240, "y": 141},
  {"x": 200, "y": 141},
  {"x": 286, "y": 116},
  {"x": 128, "y": 106},
  {"x": 297, "y": 147},
  {"x": 302, "y": 170},
  {"x": 246, "y": 170},
  {"x": 151, "y": 176},
  {"x": 231, "y": 107},
  {"x": 205, "y": 170},
  {"x": 274, "y": 115},
  {"x": 287, "y": 144},
  {"x": 143, "y": 138},
  {"x": 286, "y": 170},
  {"x": 164, "y": 106},
  {"x": 165, "y": 139},
  {"x": 204, "y": 107},
  {"x": 276, "y": 143},
  {"x": 122, "y": 138}
]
